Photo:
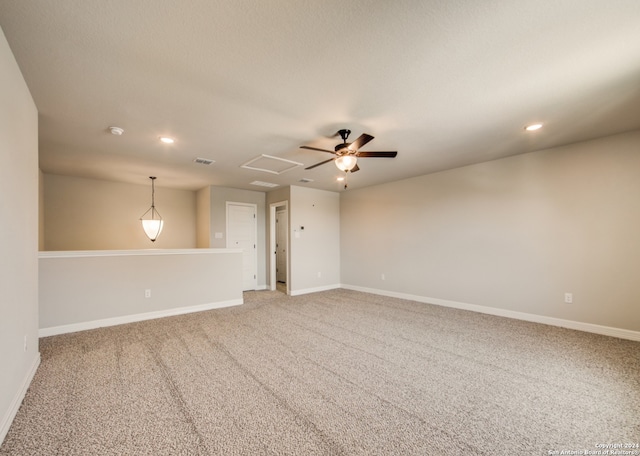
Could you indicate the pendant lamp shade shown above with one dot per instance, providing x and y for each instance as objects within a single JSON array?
[
  {"x": 152, "y": 222},
  {"x": 152, "y": 228},
  {"x": 346, "y": 162}
]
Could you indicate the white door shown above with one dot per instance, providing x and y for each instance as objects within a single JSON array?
[
  {"x": 281, "y": 245},
  {"x": 241, "y": 234}
]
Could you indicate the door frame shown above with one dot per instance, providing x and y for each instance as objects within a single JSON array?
[
  {"x": 272, "y": 245},
  {"x": 282, "y": 225},
  {"x": 255, "y": 234}
]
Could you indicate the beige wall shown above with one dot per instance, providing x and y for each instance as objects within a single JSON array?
[
  {"x": 40, "y": 210},
  {"x": 314, "y": 250},
  {"x": 219, "y": 196},
  {"x": 103, "y": 288},
  {"x": 91, "y": 214},
  {"x": 18, "y": 237},
  {"x": 512, "y": 234},
  {"x": 203, "y": 218}
]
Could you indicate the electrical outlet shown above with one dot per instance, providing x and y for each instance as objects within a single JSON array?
[
  {"x": 147, "y": 293},
  {"x": 568, "y": 298},
  {"x": 319, "y": 274},
  {"x": 382, "y": 276}
]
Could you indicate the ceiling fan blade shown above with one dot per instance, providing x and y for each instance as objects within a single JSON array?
[
  {"x": 321, "y": 163},
  {"x": 315, "y": 148},
  {"x": 376, "y": 154},
  {"x": 355, "y": 168},
  {"x": 361, "y": 141}
]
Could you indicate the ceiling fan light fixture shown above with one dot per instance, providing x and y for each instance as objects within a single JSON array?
[{"x": 346, "y": 162}]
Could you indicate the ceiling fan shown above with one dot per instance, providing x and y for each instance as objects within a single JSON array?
[{"x": 347, "y": 154}]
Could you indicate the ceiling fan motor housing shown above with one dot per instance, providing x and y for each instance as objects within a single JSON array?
[{"x": 340, "y": 147}]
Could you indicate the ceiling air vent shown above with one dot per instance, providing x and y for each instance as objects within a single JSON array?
[
  {"x": 305, "y": 180},
  {"x": 203, "y": 161}
]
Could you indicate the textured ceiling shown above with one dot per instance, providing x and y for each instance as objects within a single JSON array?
[{"x": 445, "y": 83}]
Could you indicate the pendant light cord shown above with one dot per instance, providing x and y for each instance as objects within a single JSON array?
[
  {"x": 153, "y": 197},
  {"x": 153, "y": 192}
]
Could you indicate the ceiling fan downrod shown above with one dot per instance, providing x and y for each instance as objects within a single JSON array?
[{"x": 344, "y": 134}]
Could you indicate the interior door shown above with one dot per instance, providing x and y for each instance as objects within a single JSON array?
[
  {"x": 282, "y": 223},
  {"x": 242, "y": 230}
]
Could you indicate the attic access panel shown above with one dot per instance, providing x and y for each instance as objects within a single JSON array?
[{"x": 270, "y": 164}]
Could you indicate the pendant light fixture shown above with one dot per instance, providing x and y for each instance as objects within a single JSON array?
[{"x": 151, "y": 220}]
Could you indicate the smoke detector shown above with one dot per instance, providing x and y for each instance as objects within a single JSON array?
[{"x": 116, "y": 131}]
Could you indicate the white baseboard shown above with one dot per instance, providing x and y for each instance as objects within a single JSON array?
[
  {"x": 570, "y": 324},
  {"x": 83, "y": 326},
  {"x": 17, "y": 400},
  {"x": 314, "y": 290}
]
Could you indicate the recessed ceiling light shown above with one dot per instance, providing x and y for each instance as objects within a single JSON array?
[
  {"x": 166, "y": 140},
  {"x": 116, "y": 131},
  {"x": 533, "y": 127},
  {"x": 340, "y": 179}
]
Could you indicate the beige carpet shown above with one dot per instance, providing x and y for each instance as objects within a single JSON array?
[{"x": 331, "y": 373}]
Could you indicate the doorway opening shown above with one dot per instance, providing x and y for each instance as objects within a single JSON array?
[{"x": 279, "y": 247}]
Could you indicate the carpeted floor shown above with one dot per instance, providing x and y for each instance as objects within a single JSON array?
[{"x": 332, "y": 373}]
